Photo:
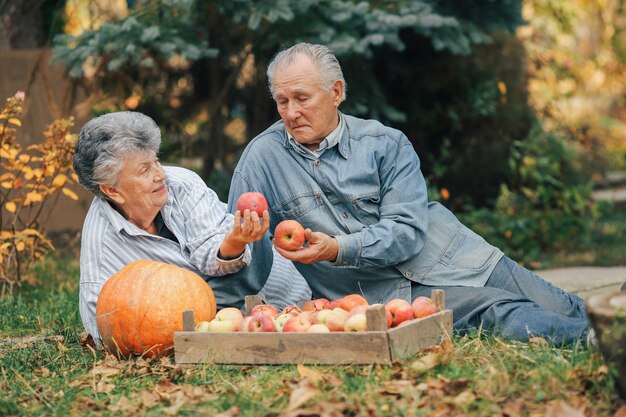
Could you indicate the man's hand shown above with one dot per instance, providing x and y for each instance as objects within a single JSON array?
[
  {"x": 243, "y": 232},
  {"x": 321, "y": 247}
]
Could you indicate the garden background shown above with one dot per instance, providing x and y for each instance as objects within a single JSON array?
[{"x": 517, "y": 110}]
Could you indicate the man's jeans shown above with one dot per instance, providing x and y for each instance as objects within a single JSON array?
[{"x": 516, "y": 304}]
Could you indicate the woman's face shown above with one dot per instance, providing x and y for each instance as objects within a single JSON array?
[{"x": 140, "y": 191}]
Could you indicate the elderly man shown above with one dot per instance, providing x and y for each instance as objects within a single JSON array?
[
  {"x": 143, "y": 210},
  {"x": 357, "y": 187}
]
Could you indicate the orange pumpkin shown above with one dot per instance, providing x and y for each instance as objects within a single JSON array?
[{"x": 140, "y": 307}]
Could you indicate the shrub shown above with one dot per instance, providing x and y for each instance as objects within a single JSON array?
[
  {"x": 546, "y": 205},
  {"x": 30, "y": 179}
]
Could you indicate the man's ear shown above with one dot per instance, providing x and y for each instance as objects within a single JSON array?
[
  {"x": 338, "y": 92},
  {"x": 112, "y": 193}
]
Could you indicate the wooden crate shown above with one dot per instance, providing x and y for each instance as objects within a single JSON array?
[{"x": 377, "y": 345}]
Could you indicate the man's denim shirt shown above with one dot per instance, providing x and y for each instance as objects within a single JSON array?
[{"x": 369, "y": 193}]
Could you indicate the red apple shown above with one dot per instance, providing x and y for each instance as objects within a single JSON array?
[
  {"x": 422, "y": 307},
  {"x": 280, "y": 320},
  {"x": 318, "y": 328},
  {"x": 252, "y": 201},
  {"x": 352, "y": 300},
  {"x": 264, "y": 310},
  {"x": 298, "y": 323},
  {"x": 230, "y": 314},
  {"x": 358, "y": 309},
  {"x": 243, "y": 325},
  {"x": 315, "y": 305},
  {"x": 400, "y": 311},
  {"x": 292, "y": 309},
  {"x": 336, "y": 320},
  {"x": 320, "y": 316},
  {"x": 356, "y": 323},
  {"x": 289, "y": 235},
  {"x": 261, "y": 323}
]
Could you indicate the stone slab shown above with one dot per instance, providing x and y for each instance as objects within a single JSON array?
[{"x": 586, "y": 281}]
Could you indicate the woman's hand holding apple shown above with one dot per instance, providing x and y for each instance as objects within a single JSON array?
[{"x": 247, "y": 228}]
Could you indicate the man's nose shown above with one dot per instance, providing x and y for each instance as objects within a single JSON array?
[{"x": 293, "y": 111}]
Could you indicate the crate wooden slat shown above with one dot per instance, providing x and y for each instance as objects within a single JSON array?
[{"x": 373, "y": 346}]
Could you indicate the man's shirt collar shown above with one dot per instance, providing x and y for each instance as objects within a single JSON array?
[{"x": 331, "y": 140}]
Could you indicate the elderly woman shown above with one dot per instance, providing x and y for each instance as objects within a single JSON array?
[{"x": 143, "y": 210}]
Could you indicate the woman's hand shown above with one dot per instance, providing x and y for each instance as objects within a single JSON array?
[
  {"x": 246, "y": 229},
  {"x": 320, "y": 247}
]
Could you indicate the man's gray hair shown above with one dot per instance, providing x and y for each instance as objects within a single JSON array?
[
  {"x": 322, "y": 56},
  {"x": 105, "y": 141}
]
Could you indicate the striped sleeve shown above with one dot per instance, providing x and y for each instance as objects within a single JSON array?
[{"x": 285, "y": 285}]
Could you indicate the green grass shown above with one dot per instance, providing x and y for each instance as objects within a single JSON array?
[{"x": 475, "y": 375}]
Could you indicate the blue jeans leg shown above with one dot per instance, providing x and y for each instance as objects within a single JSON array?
[
  {"x": 524, "y": 306},
  {"x": 510, "y": 276}
]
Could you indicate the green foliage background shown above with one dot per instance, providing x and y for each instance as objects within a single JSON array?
[{"x": 476, "y": 99}]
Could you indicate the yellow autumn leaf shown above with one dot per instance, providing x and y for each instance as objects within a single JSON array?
[
  {"x": 24, "y": 158},
  {"x": 7, "y": 184},
  {"x": 49, "y": 170},
  {"x": 33, "y": 197},
  {"x": 71, "y": 194},
  {"x": 73, "y": 176},
  {"x": 20, "y": 246},
  {"x": 16, "y": 122},
  {"x": 4, "y": 153},
  {"x": 11, "y": 207},
  {"x": 59, "y": 180}
]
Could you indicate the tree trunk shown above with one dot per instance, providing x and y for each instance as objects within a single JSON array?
[{"x": 21, "y": 24}]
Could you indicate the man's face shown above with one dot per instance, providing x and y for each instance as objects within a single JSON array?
[{"x": 308, "y": 111}]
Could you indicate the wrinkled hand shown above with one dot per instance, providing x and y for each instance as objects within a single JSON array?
[
  {"x": 246, "y": 229},
  {"x": 320, "y": 247}
]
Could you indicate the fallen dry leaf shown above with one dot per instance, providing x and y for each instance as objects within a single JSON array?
[
  {"x": 123, "y": 407},
  {"x": 332, "y": 408},
  {"x": 562, "y": 409},
  {"x": 303, "y": 392},
  {"x": 397, "y": 387},
  {"x": 231, "y": 412},
  {"x": 621, "y": 412},
  {"x": 314, "y": 375}
]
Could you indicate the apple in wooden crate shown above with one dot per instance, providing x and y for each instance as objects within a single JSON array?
[
  {"x": 294, "y": 310},
  {"x": 315, "y": 305},
  {"x": 202, "y": 326},
  {"x": 336, "y": 319},
  {"x": 400, "y": 310},
  {"x": 244, "y": 324},
  {"x": 222, "y": 326},
  {"x": 280, "y": 320},
  {"x": 261, "y": 323},
  {"x": 318, "y": 328},
  {"x": 423, "y": 307},
  {"x": 264, "y": 310},
  {"x": 230, "y": 314},
  {"x": 356, "y": 323},
  {"x": 297, "y": 323},
  {"x": 349, "y": 302}
]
